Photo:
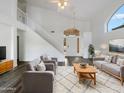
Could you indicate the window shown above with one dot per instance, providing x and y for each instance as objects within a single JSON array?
[{"x": 117, "y": 20}]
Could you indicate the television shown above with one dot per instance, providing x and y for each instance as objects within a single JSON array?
[
  {"x": 116, "y": 45},
  {"x": 2, "y": 52}
]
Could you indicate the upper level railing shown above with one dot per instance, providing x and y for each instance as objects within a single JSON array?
[{"x": 21, "y": 16}]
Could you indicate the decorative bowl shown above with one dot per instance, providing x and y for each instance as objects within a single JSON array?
[{"x": 83, "y": 65}]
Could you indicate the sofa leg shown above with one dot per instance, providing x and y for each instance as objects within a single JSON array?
[{"x": 122, "y": 81}]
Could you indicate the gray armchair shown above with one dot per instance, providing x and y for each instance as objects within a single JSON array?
[
  {"x": 39, "y": 81},
  {"x": 53, "y": 60}
]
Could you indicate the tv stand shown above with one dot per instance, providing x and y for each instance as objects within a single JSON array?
[{"x": 5, "y": 66}]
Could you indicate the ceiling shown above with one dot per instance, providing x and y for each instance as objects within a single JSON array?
[{"x": 83, "y": 8}]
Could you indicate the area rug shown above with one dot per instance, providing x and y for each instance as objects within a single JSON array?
[{"x": 67, "y": 82}]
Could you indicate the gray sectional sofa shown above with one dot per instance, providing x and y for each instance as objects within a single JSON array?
[{"x": 111, "y": 68}]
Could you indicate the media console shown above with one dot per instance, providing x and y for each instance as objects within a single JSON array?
[{"x": 5, "y": 66}]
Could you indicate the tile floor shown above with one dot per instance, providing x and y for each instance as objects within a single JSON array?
[{"x": 67, "y": 82}]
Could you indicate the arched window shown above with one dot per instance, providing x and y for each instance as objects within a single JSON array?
[{"x": 117, "y": 20}]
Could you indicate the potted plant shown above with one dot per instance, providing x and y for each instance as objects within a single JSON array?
[{"x": 91, "y": 52}]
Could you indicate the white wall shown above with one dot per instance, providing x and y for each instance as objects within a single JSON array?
[
  {"x": 87, "y": 39},
  {"x": 8, "y": 27},
  {"x": 6, "y": 39},
  {"x": 32, "y": 46},
  {"x": 6, "y": 7},
  {"x": 99, "y": 26},
  {"x": 51, "y": 20},
  {"x": 21, "y": 44}
]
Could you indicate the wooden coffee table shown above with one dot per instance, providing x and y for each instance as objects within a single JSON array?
[{"x": 85, "y": 73}]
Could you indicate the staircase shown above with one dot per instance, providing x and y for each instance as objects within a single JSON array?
[{"x": 40, "y": 30}]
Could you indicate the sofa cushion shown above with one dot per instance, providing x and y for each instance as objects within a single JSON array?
[
  {"x": 54, "y": 59},
  {"x": 98, "y": 64},
  {"x": 120, "y": 62},
  {"x": 112, "y": 68},
  {"x": 114, "y": 59},
  {"x": 45, "y": 58},
  {"x": 30, "y": 67}
]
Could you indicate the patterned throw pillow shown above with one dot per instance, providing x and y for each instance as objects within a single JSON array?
[
  {"x": 41, "y": 66},
  {"x": 120, "y": 62},
  {"x": 108, "y": 59}
]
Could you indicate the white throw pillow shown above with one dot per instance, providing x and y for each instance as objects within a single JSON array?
[
  {"x": 120, "y": 62},
  {"x": 49, "y": 58},
  {"x": 41, "y": 66},
  {"x": 108, "y": 58}
]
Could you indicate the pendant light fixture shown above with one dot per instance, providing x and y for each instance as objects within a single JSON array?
[
  {"x": 62, "y": 3},
  {"x": 73, "y": 32}
]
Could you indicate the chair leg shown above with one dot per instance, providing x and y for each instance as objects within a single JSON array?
[{"x": 122, "y": 81}]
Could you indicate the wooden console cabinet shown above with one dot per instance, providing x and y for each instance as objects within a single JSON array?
[{"x": 6, "y": 65}]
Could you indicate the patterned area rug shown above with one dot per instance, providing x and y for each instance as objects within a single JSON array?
[{"x": 67, "y": 82}]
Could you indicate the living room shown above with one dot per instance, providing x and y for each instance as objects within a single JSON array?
[{"x": 73, "y": 46}]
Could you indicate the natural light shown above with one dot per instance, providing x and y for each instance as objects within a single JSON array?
[{"x": 117, "y": 20}]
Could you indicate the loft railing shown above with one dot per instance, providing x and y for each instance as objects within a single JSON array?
[{"x": 21, "y": 16}]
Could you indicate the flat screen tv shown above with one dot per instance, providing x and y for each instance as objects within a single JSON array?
[
  {"x": 116, "y": 45},
  {"x": 2, "y": 52}
]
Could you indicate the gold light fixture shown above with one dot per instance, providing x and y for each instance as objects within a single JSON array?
[
  {"x": 73, "y": 32},
  {"x": 62, "y": 3}
]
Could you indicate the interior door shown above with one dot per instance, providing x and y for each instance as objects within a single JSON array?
[
  {"x": 72, "y": 46},
  {"x": 17, "y": 48}
]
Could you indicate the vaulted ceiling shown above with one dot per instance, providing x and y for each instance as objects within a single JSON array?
[
  {"x": 47, "y": 16},
  {"x": 84, "y": 9}
]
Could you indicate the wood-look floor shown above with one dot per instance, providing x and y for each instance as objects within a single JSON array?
[{"x": 10, "y": 82}]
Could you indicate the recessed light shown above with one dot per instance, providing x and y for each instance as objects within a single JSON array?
[{"x": 52, "y": 31}]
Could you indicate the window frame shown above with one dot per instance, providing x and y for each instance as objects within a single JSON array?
[{"x": 112, "y": 16}]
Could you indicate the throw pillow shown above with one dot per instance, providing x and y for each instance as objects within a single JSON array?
[
  {"x": 114, "y": 59},
  {"x": 48, "y": 58},
  {"x": 44, "y": 58},
  {"x": 41, "y": 66},
  {"x": 30, "y": 67},
  {"x": 108, "y": 59},
  {"x": 120, "y": 62}
]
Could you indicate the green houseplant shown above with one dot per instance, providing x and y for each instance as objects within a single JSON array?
[{"x": 91, "y": 52}]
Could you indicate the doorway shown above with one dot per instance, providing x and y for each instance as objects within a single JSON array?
[{"x": 18, "y": 50}]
